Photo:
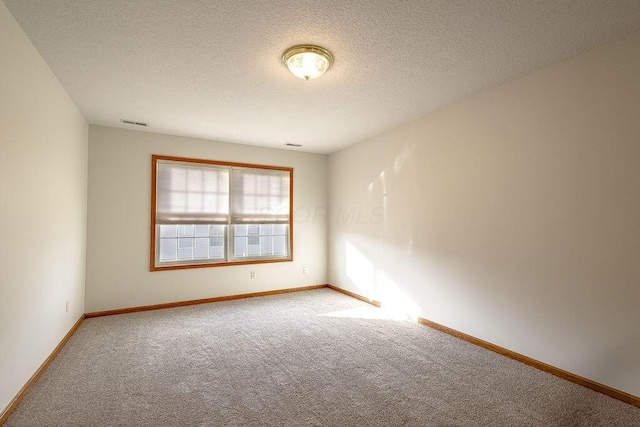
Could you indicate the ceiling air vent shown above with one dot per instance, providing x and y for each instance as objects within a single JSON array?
[
  {"x": 293, "y": 145},
  {"x": 131, "y": 122}
]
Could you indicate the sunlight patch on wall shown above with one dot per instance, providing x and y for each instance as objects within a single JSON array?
[
  {"x": 375, "y": 284},
  {"x": 359, "y": 270},
  {"x": 393, "y": 299}
]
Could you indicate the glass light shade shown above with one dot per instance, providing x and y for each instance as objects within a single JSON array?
[{"x": 307, "y": 61}]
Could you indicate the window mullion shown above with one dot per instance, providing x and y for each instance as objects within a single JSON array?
[{"x": 229, "y": 236}]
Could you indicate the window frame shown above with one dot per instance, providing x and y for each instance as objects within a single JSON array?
[{"x": 155, "y": 237}]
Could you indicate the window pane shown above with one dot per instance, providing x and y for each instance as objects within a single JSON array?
[
  {"x": 253, "y": 250},
  {"x": 266, "y": 245},
  {"x": 279, "y": 245},
  {"x": 216, "y": 241},
  {"x": 217, "y": 252},
  {"x": 185, "y": 243},
  {"x": 202, "y": 230},
  {"x": 185, "y": 254},
  {"x": 260, "y": 240},
  {"x": 240, "y": 246},
  {"x": 185, "y": 230},
  {"x": 168, "y": 231},
  {"x": 201, "y": 249},
  {"x": 217, "y": 230},
  {"x": 168, "y": 249},
  {"x": 188, "y": 242},
  {"x": 240, "y": 230},
  {"x": 254, "y": 235}
]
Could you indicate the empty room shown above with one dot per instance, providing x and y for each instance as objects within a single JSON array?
[{"x": 320, "y": 213}]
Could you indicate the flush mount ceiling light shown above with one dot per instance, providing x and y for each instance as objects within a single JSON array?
[{"x": 307, "y": 61}]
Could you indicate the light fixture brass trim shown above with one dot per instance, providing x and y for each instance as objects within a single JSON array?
[{"x": 307, "y": 48}]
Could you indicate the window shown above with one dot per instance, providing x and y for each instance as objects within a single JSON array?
[{"x": 210, "y": 213}]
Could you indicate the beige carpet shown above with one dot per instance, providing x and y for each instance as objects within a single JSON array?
[{"x": 315, "y": 358}]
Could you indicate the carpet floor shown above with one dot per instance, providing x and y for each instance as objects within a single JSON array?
[{"x": 314, "y": 358}]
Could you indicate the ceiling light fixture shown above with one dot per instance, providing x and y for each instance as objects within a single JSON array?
[{"x": 307, "y": 61}]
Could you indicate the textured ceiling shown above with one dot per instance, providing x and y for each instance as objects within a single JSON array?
[{"x": 212, "y": 69}]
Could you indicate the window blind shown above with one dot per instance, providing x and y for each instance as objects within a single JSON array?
[
  {"x": 260, "y": 196},
  {"x": 188, "y": 193}
]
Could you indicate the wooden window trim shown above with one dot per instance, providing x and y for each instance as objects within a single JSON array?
[{"x": 152, "y": 247}]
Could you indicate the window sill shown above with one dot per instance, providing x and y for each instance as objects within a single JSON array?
[{"x": 219, "y": 264}]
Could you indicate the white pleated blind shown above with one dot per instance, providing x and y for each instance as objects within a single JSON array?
[
  {"x": 190, "y": 193},
  {"x": 260, "y": 196}
]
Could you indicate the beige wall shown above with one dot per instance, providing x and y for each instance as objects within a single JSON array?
[
  {"x": 118, "y": 224},
  {"x": 513, "y": 216},
  {"x": 43, "y": 178}
]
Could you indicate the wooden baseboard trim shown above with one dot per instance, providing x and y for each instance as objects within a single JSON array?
[
  {"x": 198, "y": 301},
  {"x": 354, "y": 295},
  {"x": 574, "y": 378},
  {"x": 4, "y": 415},
  {"x": 569, "y": 376}
]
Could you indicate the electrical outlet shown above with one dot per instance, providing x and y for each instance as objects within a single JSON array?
[
  {"x": 305, "y": 270},
  {"x": 66, "y": 306},
  {"x": 253, "y": 274}
]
